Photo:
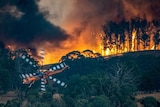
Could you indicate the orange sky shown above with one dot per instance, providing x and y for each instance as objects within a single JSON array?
[
  {"x": 71, "y": 24},
  {"x": 83, "y": 20}
]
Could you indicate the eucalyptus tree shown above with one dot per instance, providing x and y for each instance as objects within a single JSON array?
[
  {"x": 156, "y": 39},
  {"x": 123, "y": 29},
  {"x": 136, "y": 25},
  {"x": 107, "y": 38},
  {"x": 112, "y": 37},
  {"x": 145, "y": 40}
]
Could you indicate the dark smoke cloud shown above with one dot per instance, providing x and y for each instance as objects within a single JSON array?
[
  {"x": 96, "y": 13},
  {"x": 26, "y": 25},
  {"x": 100, "y": 11},
  {"x": 144, "y": 8},
  {"x": 21, "y": 23}
]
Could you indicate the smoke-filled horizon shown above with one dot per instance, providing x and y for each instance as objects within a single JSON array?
[
  {"x": 60, "y": 26},
  {"x": 21, "y": 23}
]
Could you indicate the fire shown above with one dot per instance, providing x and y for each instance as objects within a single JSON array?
[
  {"x": 83, "y": 23},
  {"x": 133, "y": 40},
  {"x": 79, "y": 20},
  {"x": 11, "y": 47},
  {"x": 99, "y": 42},
  {"x": 107, "y": 52},
  {"x": 140, "y": 36}
]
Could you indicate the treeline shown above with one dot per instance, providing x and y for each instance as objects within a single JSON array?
[
  {"x": 12, "y": 65},
  {"x": 8, "y": 73},
  {"x": 90, "y": 80},
  {"x": 132, "y": 35},
  {"x": 145, "y": 66},
  {"x": 93, "y": 81}
]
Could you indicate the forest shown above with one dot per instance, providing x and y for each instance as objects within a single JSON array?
[
  {"x": 136, "y": 34},
  {"x": 92, "y": 80}
]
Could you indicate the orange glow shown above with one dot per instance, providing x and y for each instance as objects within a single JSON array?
[
  {"x": 90, "y": 39},
  {"x": 133, "y": 40},
  {"x": 116, "y": 48},
  {"x": 88, "y": 18},
  {"x": 107, "y": 52},
  {"x": 11, "y": 47}
]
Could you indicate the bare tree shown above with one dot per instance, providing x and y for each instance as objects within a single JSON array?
[{"x": 123, "y": 84}]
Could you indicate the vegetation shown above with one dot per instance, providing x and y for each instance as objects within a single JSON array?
[
  {"x": 7, "y": 71},
  {"x": 149, "y": 102},
  {"x": 132, "y": 35},
  {"x": 92, "y": 80}
]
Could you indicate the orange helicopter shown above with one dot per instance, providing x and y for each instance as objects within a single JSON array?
[
  {"x": 43, "y": 73},
  {"x": 29, "y": 78}
]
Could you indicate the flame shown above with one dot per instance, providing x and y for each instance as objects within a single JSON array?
[
  {"x": 133, "y": 40},
  {"x": 107, "y": 51},
  {"x": 88, "y": 17},
  {"x": 152, "y": 48},
  {"x": 11, "y": 47},
  {"x": 135, "y": 43}
]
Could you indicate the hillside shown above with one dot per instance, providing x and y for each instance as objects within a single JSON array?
[
  {"x": 90, "y": 81},
  {"x": 135, "y": 54},
  {"x": 138, "y": 53}
]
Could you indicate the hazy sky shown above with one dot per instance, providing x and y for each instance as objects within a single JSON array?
[{"x": 60, "y": 26}]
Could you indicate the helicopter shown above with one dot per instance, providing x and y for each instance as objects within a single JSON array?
[{"x": 43, "y": 74}]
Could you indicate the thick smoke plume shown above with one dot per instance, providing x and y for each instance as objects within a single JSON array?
[
  {"x": 33, "y": 22},
  {"x": 22, "y": 24},
  {"x": 83, "y": 18}
]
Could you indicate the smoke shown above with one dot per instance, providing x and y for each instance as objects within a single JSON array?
[
  {"x": 148, "y": 9},
  {"x": 83, "y": 19},
  {"x": 40, "y": 23},
  {"x": 22, "y": 24}
]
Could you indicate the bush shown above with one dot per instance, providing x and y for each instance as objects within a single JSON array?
[
  {"x": 12, "y": 103},
  {"x": 149, "y": 102},
  {"x": 2, "y": 105}
]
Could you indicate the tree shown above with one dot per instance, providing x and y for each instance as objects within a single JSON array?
[
  {"x": 145, "y": 39},
  {"x": 115, "y": 84},
  {"x": 156, "y": 39},
  {"x": 12, "y": 103},
  {"x": 122, "y": 84},
  {"x": 111, "y": 35},
  {"x": 123, "y": 28},
  {"x": 100, "y": 101},
  {"x": 57, "y": 101},
  {"x": 24, "y": 62},
  {"x": 81, "y": 102},
  {"x": 2, "y": 46},
  {"x": 136, "y": 25},
  {"x": 149, "y": 102},
  {"x": 72, "y": 56},
  {"x": 90, "y": 54},
  {"x": 7, "y": 71}
]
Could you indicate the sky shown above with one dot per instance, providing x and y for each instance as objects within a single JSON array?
[{"x": 61, "y": 26}]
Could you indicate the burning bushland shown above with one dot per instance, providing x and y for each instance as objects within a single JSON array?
[
  {"x": 136, "y": 34},
  {"x": 66, "y": 25}
]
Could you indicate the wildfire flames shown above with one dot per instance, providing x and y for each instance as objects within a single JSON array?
[
  {"x": 105, "y": 26},
  {"x": 136, "y": 35}
]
